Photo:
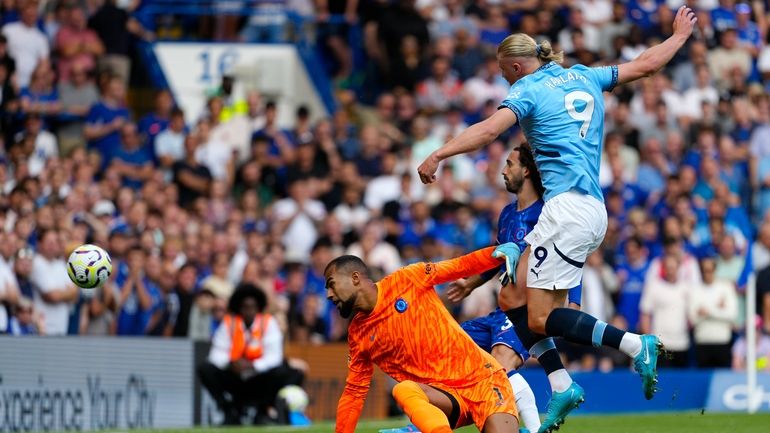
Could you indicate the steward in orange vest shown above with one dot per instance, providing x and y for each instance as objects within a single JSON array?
[{"x": 245, "y": 365}]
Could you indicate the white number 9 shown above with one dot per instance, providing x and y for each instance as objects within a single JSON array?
[{"x": 586, "y": 114}]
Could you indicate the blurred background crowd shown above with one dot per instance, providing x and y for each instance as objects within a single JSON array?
[{"x": 188, "y": 210}]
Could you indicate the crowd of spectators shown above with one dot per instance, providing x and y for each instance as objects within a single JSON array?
[{"x": 190, "y": 210}]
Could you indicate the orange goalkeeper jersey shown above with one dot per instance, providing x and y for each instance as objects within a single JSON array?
[{"x": 410, "y": 335}]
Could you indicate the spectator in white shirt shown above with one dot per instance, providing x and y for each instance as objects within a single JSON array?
[
  {"x": 351, "y": 213},
  {"x": 664, "y": 311},
  {"x": 169, "y": 144},
  {"x": 26, "y": 43},
  {"x": 374, "y": 250},
  {"x": 578, "y": 21},
  {"x": 385, "y": 187},
  {"x": 599, "y": 283},
  {"x": 486, "y": 84},
  {"x": 727, "y": 57},
  {"x": 688, "y": 271},
  {"x": 54, "y": 292},
  {"x": 713, "y": 309},
  {"x": 730, "y": 262},
  {"x": 296, "y": 220},
  {"x": 44, "y": 142},
  {"x": 236, "y": 136},
  {"x": 216, "y": 155},
  {"x": 703, "y": 92}
]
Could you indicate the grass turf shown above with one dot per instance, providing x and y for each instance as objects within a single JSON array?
[{"x": 683, "y": 422}]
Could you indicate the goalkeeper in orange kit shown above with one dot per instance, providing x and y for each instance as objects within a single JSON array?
[{"x": 400, "y": 324}]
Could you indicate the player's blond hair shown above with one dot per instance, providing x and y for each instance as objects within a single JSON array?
[{"x": 522, "y": 45}]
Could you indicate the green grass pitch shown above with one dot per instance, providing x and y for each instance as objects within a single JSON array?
[{"x": 684, "y": 422}]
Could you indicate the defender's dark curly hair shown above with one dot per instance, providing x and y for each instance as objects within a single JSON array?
[{"x": 527, "y": 159}]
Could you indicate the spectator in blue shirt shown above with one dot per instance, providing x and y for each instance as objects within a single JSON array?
[
  {"x": 156, "y": 122},
  {"x": 474, "y": 231},
  {"x": 723, "y": 16},
  {"x": 106, "y": 118},
  {"x": 138, "y": 297},
  {"x": 644, "y": 13},
  {"x": 748, "y": 32},
  {"x": 133, "y": 159},
  {"x": 631, "y": 273},
  {"x": 709, "y": 178},
  {"x": 632, "y": 195},
  {"x": 24, "y": 321},
  {"x": 705, "y": 145},
  {"x": 652, "y": 168},
  {"x": 41, "y": 96},
  {"x": 665, "y": 205}
]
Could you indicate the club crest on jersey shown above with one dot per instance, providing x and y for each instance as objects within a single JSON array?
[
  {"x": 401, "y": 305},
  {"x": 520, "y": 233},
  {"x": 428, "y": 268}
]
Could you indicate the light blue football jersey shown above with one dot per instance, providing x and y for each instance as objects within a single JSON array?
[{"x": 561, "y": 112}]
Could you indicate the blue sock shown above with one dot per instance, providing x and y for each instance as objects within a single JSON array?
[
  {"x": 578, "y": 327},
  {"x": 546, "y": 354}
]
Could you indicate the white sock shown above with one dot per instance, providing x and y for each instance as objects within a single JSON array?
[
  {"x": 525, "y": 402},
  {"x": 560, "y": 380},
  {"x": 631, "y": 344}
]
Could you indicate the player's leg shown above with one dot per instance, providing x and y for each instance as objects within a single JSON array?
[
  {"x": 522, "y": 392},
  {"x": 558, "y": 251},
  {"x": 543, "y": 346},
  {"x": 481, "y": 330},
  {"x": 507, "y": 357},
  {"x": 491, "y": 404},
  {"x": 496, "y": 330},
  {"x": 430, "y": 409},
  {"x": 525, "y": 402},
  {"x": 540, "y": 304},
  {"x": 219, "y": 383},
  {"x": 510, "y": 352},
  {"x": 501, "y": 423},
  {"x": 566, "y": 395}
]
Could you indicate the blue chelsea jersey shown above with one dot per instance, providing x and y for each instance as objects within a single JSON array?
[
  {"x": 513, "y": 224},
  {"x": 561, "y": 112}
]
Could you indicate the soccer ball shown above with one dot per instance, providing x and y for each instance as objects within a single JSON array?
[
  {"x": 295, "y": 397},
  {"x": 89, "y": 266}
]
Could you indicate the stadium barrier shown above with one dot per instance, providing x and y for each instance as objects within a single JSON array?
[
  {"x": 100, "y": 383},
  {"x": 77, "y": 384},
  {"x": 94, "y": 383}
]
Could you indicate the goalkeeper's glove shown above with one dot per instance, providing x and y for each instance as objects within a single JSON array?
[{"x": 511, "y": 252}]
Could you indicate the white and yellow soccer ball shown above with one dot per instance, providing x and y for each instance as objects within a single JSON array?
[
  {"x": 295, "y": 397},
  {"x": 89, "y": 266}
]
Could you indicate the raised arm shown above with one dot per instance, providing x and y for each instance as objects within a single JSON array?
[
  {"x": 654, "y": 58},
  {"x": 473, "y": 138},
  {"x": 431, "y": 274}
]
